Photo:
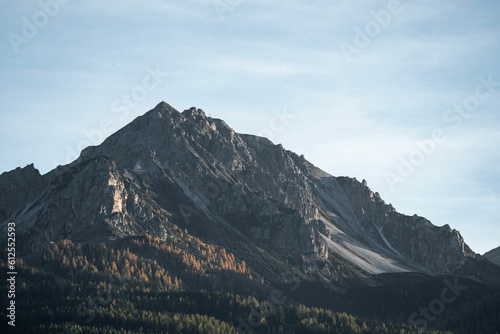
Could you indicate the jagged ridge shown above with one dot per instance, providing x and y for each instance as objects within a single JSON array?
[{"x": 169, "y": 169}]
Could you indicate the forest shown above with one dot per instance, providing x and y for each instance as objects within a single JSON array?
[{"x": 147, "y": 285}]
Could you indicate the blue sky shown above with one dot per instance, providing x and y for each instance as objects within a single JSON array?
[{"x": 352, "y": 85}]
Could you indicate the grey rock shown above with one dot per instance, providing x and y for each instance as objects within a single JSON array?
[
  {"x": 168, "y": 170},
  {"x": 493, "y": 256},
  {"x": 18, "y": 188}
]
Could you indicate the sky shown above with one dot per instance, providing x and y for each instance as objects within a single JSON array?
[{"x": 404, "y": 94}]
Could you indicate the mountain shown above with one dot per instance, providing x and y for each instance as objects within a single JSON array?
[
  {"x": 195, "y": 172},
  {"x": 493, "y": 256},
  {"x": 210, "y": 206},
  {"x": 20, "y": 186}
]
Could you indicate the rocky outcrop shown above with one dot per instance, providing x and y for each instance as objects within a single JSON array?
[
  {"x": 18, "y": 188},
  {"x": 438, "y": 250},
  {"x": 87, "y": 201},
  {"x": 493, "y": 256}
]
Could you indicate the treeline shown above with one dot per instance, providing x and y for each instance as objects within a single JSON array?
[
  {"x": 149, "y": 264},
  {"x": 145, "y": 285},
  {"x": 479, "y": 316}
]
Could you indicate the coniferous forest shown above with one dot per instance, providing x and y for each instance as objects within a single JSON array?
[{"x": 146, "y": 285}]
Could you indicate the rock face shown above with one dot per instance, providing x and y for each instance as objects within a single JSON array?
[
  {"x": 86, "y": 201},
  {"x": 493, "y": 256},
  {"x": 18, "y": 188},
  {"x": 415, "y": 240},
  {"x": 168, "y": 170}
]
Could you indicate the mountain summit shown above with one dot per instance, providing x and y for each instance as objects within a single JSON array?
[{"x": 168, "y": 171}]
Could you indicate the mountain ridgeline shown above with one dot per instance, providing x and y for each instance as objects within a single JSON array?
[
  {"x": 185, "y": 180},
  {"x": 493, "y": 255}
]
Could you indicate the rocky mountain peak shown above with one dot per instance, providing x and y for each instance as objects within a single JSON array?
[
  {"x": 165, "y": 108},
  {"x": 168, "y": 169},
  {"x": 162, "y": 114},
  {"x": 194, "y": 112},
  {"x": 18, "y": 187}
]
